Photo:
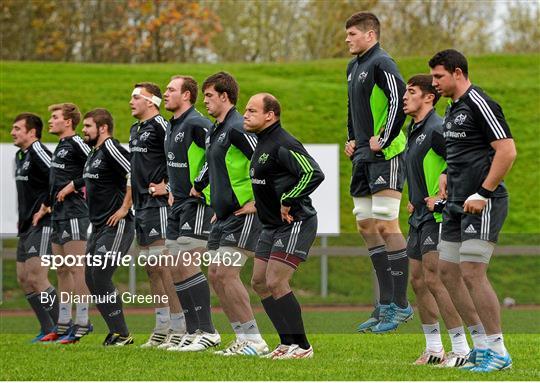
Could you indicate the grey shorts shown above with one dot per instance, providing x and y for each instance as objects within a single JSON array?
[
  {"x": 150, "y": 224},
  {"x": 66, "y": 230},
  {"x": 190, "y": 218},
  {"x": 460, "y": 227},
  {"x": 35, "y": 242},
  {"x": 293, "y": 239},
  {"x": 369, "y": 178},
  {"x": 235, "y": 231},
  {"x": 423, "y": 239}
]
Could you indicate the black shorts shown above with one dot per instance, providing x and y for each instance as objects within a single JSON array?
[
  {"x": 423, "y": 239},
  {"x": 66, "y": 230},
  {"x": 35, "y": 242},
  {"x": 150, "y": 224},
  {"x": 369, "y": 178},
  {"x": 459, "y": 227},
  {"x": 235, "y": 231},
  {"x": 111, "y": 239},
  {"x": 294, "y": 239},
  {"x": 190, "y": 218}
]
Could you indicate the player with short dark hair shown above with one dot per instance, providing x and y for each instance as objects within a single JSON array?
[
  {"x": 69, "y": 218},
  {"x": 479, "y": 152},
  {"x": 32, "y": 164},
  {"x": 150, "y": 201},
  {"x": 425, "y": 154},
  {"x": 283, "y": 175},
  {"x": 109, "y": 202},
  {"x": 375, "y": 145},
  {"x": 188, "y": 223},
  {"x": 236, "y": 228}
]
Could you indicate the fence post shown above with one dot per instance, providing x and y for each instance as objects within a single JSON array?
[
  {"x": 324, "y": 267},
  {"x": 132, "y": 276}
]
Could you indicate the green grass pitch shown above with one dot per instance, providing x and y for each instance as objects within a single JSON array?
[{"x": 340, "y": 354}]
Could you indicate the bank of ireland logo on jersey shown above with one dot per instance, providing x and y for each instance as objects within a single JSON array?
[
  {"x": 460, "y": 119},
  {"x": 362, "y": 76},
  {"x": 144, "y": 136},
  {"x": 263, "y": 158},
  {"x": 420, "y": 139},
  {"x": 26, "y": 165},
  {"x": 221, "y": 137},
  {"x": 251, "y": 172},
  {"x": 170, "y": 156},
  {"x": 96, "y": 163},
  {"x": 179, "y": 137}
]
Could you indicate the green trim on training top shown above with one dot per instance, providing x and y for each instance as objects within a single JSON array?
[
  {"x": 378, "y": 103},
  {"x": 238, "y": 170},
  {"x": 196, "y": 160},
  {"x": 433, "y": 165},
  {"x": 306, "y": 177}
]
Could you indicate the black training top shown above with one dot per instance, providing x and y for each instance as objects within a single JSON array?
[
  {"x": 32, "y": 179},
  {"x": 283, "y": 173},
  {"x": 105, "y": 175},
  {"x": 471, "y": 123},
  {"x": 148, "y": 162},
  {"x": 67, "y": 165}
]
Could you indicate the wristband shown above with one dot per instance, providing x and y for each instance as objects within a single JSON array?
[
  {"x": 476, "y": 197},
  {"x": 484, "y": 192}
]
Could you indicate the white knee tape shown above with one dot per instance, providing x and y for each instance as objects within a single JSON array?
[
  {"x": 189, "y": 243},
  {"x": 476, "y": 250},
  {"x": 449, "y": 251},
  {"x": 231, "y": 256},
  {"x": 143, "y": 253},
  {"x": 157, "y": 250},
  {"x": 362, "y": 208},
  {"x": 385, "y": 208}
]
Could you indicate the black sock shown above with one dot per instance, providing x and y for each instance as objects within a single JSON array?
[
  {"x": 42, "y": 315},
  {"x": 400, "y": 274},
  {"x": 291, "y": 312},
  {"x": 277, "y": 319},
  {"x": 190, "y": 314},
  {"x": 384, "y": 277},
  {"x": 113, "y": 314},
  {"x": 51, "y": 306},
  {"x": 199, "y": 291}
]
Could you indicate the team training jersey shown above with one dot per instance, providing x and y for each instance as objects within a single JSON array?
[
  {"x": 184, "y": 146},
  {"x": 470, "y": 125},
  {"x": 425, "y": 155},
  {"x": 32, "y": 179},
  {"x": 105, "y": 178},
  {"x": 148, "y": 163},
  {"x": 375, "y": 105},
  {"x": 67, "y": 165},
  {"x": 283, "y": 173},
  {"x": 228, "y": 153}
]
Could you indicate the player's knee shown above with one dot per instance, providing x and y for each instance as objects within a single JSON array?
[
  {"x": 417, "y": 282},
  {"x": 387, "y": 228},
  {"x": 64, "y": 271},
  {"x": 432, "y": 280},
  {"x": 259, "y": 285},
  {"x": 277, "y": 286},
  {"x": 362, "y": 208}
]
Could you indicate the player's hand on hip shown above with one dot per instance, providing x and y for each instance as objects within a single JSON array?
[
  {"x": 248, "y": 208},
  {"x": 410, "y": 207},
  {"x": 157, "y": 190},
  {"x": 285, "y": 216},
  {"x": 43, "y": 210},
  {"x": 474, "y": 204},
  {"x": 374, "y": 144},
  {"x": 443, "y": 182},
  {"x": 117, "y": 216},
  {"x": 430, "y": 202},
  {"x": 213, "y": 219},
  {"x": 66, "y": 190},
  {"x": 171, "y": 199},
  {"x": 194, "y": 193},
  {"x": 350, "y": 146}
]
